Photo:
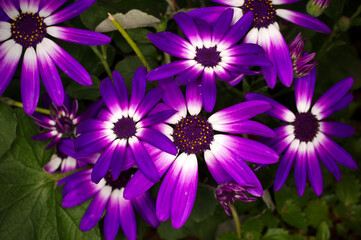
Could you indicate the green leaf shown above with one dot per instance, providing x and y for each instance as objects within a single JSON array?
[
  {"x": 228, "y": 236},
  {"x": 348, "y": 189},
  {"x": 166, "y": 231},
  {"x": 293, "y": 215},
  {"x": 251, "y": 229},
  {"x": 270, "y": 220},
  {"x": 204, "y": 205},
  {"x": 31, "y": 207},
  {"x": 323, "y": 231},
  {"x": 317, "y": 212},
  {"x": 78, "y": 91},
  {"x": 276, "y": 234},
  {"x": 8, "y": 133}
]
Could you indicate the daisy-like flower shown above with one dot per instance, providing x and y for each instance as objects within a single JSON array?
[
  {"x": 210, "y": 52},
  {"x": 265, "y": 31},
  {"x": 108, "y": 196},
  {"x": 124, "y": 124},
  {"x": 194, "y": 135},
  {"x": 305, "y": 139},
  {"x": 27, "y": 29},
  {"x": 228, "y": 193}
]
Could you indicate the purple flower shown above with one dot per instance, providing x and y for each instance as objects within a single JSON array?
[
  {"x": 228, "y": 193},
  {"x": 304, "y": 140},
  {"x": 193, "y": 135},
  {"x": 124, "y": 125},
  {"x": 108, "y": 194},
  {"x": 27, "y": 30},
  {"x": 64, "y": 162},
  {"x": 210, "y": 52},
  {"x": 265, "y": 31}
]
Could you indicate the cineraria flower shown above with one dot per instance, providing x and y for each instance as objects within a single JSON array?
[
  {"x": 228, "y": 193},
  {"x": 124, "y": 125},
  {"x": 304, "y": 140},
  {"x": 209, "y": 52},
  {"x": 265, "y": 31},
  {"x": 27, "y": 30},
  {"x": 193, "y": 135},
  {"x": 108, "y": 195}
]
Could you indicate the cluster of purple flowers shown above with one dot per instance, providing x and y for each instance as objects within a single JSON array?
[{"x": 126, "y": 144}]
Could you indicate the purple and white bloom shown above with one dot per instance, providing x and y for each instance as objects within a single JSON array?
[
  {"x": 108, "y": 196},
  {"x": 265, "y": 31},
  {"x": 209, "y": 52},
  {"x": 305, "y": 140},
  {"x": 25, "y": 30},
  {"x": 215, "y": 138},
  {"x": 228, "y": 193},
  {"x": 124, "y": 124}
]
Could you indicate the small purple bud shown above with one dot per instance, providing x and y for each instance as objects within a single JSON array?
[
  {"x": 316, "y": 7},
  {"x": 228, "y": 193},
  {"x": 296, "y": 46},
  {"x": 303, "y": 65}
]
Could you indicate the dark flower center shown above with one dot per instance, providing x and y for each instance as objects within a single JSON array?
[
  {"x": 193, "y": 134},
  {"x": 28, "y": 29},
  {"x": 124, "y": 128},
  {"x": 263, "y": 10},
  {"x": 208, "y": 57},
  {"x": 122, "y": 180},
  {"x": 65, "y": 125},
  {"x": 306, "y": 127}
]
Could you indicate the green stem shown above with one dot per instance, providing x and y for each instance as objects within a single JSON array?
[
  {"x": 236, "y": 220},
  {"x": 130, "y": 41},
  {"x": 14, "y": 103},
  {"x": 326, "y": 45},
  {"x": 103, "y": 58}
]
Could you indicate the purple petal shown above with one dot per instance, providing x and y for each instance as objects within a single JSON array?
[
  {"x": 332, "y": 96},
  {"x": 303, "y": 20},
  {"x": 9, "y": 8},
  {"x": 177, "y": 40},
  {"x": 247, "y": 149},
  {"x": 277, "y": 110},
  {"x": 194, "y": 99},
  {"x": 344, "y": 102},
  {"x": 122, "y": 92},
  {"x": 44, "y": 136},
  {"x": 223, "y": 74},
  {"x": 185, "y": 192},
  {"x": 167, "y": 188},
  {"x": 337, "y": 129},
  {"x": 281, "y": 2},
  {"x": 205, "y": 31},
  {"x": 145, "y": 206},
  {"x": 69, "y": 12},
  {"x": 49, "y": 7},
  {"x": 248, "y": 60},
  {"x": 301, "y": 168},
  {"x": 101, "y": 167},
  {"x": 148, "y": 102},
  {"x": 3, "y": 15},
  {"x": 110, "y": 98},
  {"x": 286, "y": 164},
  {"x": 209, "y": 89},
  {"x": 95, "y": 209},
  {"x": 170, "y": 69},
  {"x": 143, "y": 159},
  {"x": 5, "y": 31},
  {"x": 53, "y": 164},
  {"x": 242, "y": 49},
  {"x": 8, "y": 62},
  {"x": 90, "y": 112},
  {"x": 81, "y": 193},
  {"x": 216, "y": 169},
  {"x": 210, "y": 15},
  {"x": 236, "y": 32},
  {"x": 245, "y": 127},
  {"x": 75, "y": 176},
  {"x": 190, "y": 75},
  {"x": 157, "y": 139},
  {"x": 68, "y": 164},
  {"x": 29, "y": 5},
  {"x": 189, "y": 28},
  {"x": 49, "y": 75},
  {"x": 118, "y": 158},
  {"x": 282, "y": 56},
  {"x": 66, "y": 146},
  {"x": 93, "y": 142},
  {"x": 239, "y": 112},
  {"x": 222, "y": 24},
  {"x": 138, "y": 89},
  {"x": 236, "y": 168},
  {"x": 90, "y": 125},
  {"x": 172, "y": 45},
  {"x": 314, "y": 170},
  {"x": 232, "y": 3},
  {"x": 155, "y": 118},
  {"x": 304, "y": 87},
  {"x": 328, "y": 161},
  {"x": 30, "y": 81},
  {"x": 111, "y": 219},
  {"x": 127, "y": 217}
]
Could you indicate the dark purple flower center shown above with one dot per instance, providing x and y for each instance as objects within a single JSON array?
[
  {"x": 124, "y": 128},
  {"x": 122, "y": 180},
  {"x": 306, "y": 127},
  {"x": 193, "y": 134},
  {"x": 263, "y": 10},
  {"x": 28, "y": 29},
  {"x": 208, "y": 57},
  {"x": 65, "y": 125}
]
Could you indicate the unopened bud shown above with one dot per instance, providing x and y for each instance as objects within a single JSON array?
[{"x": 316, "y": 7}]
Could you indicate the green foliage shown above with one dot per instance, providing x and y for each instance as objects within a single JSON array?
[
  {"x": 348, "y": 190},
  {"x": 317, "y": 212},
  {"x": 8, "y": 133},
  {"x": 201, "y": 210},
  {"x": 78, "y": 91}
]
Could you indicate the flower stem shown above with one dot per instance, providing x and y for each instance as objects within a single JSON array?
[
  {"x": 14, "y": 103},
  {"x": 236, "y": 220},
  {"x": 130, "y": 41},
  {"x": 103, "y": 58}
]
